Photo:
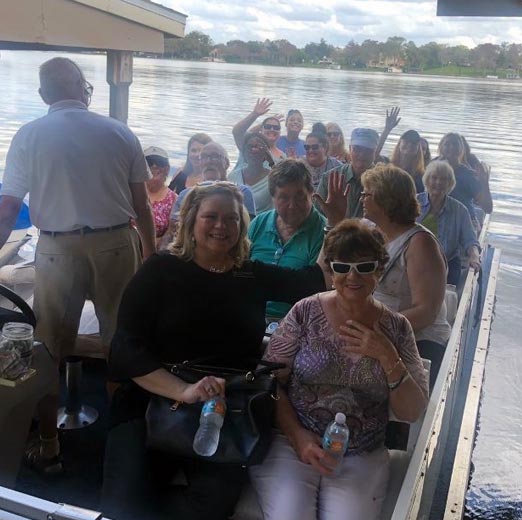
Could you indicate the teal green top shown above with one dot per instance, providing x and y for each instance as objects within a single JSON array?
[
  {"x": 300, "y": 251},
  {"x": 430, "y": 222}
]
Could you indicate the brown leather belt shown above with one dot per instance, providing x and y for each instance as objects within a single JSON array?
[{"x": 84, "y": 230}]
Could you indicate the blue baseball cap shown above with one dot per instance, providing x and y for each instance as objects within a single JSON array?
[{"x": 365, "y": 137}]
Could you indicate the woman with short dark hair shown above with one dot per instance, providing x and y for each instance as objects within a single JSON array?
[
  {"x": 291, "y": 234},
  {"x": 345, "y": 352},
  {"x": 317, "y": 158}
]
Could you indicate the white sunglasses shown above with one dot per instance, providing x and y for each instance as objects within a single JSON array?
[{"x": 361, "y": 267}]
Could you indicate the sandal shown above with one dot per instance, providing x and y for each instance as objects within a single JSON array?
[{"x": 45, "y": 466}]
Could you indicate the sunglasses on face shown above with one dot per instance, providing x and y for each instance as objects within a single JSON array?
[
  {"x": 313, "y": 147},
  {"x": 333, "y": 134},
  {"x": 360, "y": 267},
  {"x": 256, "y": 146},
  {"x": 268, "y": 126}
]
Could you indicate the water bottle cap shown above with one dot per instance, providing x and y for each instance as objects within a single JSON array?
[{"x": 340, "y": 418}]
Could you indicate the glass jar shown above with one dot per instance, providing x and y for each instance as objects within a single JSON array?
[{"x": 19, "y": 337}]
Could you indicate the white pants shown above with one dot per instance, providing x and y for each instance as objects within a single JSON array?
[{"x": 290, "y": 489}]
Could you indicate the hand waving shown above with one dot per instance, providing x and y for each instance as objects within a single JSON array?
[
  {"x": 392, "y": 119},
  {"x": 262, "y": 106},
  {"x": 336, "y": 204}
]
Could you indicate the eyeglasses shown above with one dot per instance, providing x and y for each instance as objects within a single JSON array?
[
  {"x": 313, "y": 147},
  {"x": 360, "y": 267},
  {"x": 211, "y": 157},
  {"x": 254, "y": 146},
  {"x": 333, "y": 134},
  {"x": 365, "y": 194},
  {"x": 89, "y": 89},
  {"x": 267, "y": 126}
]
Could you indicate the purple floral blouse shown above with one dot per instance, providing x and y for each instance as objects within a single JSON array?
[{"x": 322, "y": 380}]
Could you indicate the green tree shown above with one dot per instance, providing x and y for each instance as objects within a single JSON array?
[{"x": 393, "y": 49}]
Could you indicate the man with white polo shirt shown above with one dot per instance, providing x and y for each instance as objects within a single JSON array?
[{"x": 85, "y": 174}]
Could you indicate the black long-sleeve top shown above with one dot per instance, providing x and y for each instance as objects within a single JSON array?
[{"x": 173, "y": 310}]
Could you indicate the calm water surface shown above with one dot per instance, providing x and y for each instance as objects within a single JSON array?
[{"x": 172, "y": 100}]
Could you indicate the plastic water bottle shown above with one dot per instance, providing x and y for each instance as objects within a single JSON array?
[
  {"x": 335, "y": 440},
  {"x": 206, "y": 440}
]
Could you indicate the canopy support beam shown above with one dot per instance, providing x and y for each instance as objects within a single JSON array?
[{"x": 119, "y": 77}]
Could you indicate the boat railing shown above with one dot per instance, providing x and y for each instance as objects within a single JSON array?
[
  {"x": 415, "y": 498},
  {"x": 456, "y": 496}
]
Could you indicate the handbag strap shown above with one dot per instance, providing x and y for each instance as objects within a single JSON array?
[{"x": 263, "y": 366}]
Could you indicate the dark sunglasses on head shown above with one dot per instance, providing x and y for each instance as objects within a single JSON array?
[
  {"x": 313, "y": 147},
  {"x": 361, "y": 267},
  {"x": 333, "y": 134},
  {"x": 268, "y": 126}
]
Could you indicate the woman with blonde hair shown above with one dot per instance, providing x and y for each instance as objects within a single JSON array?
[
  {"x": 414, "y": 279},
  {"x": 203, "y": 298},
  {"x": 408, "y": 155},
  {"x": 337, "y": 146}
]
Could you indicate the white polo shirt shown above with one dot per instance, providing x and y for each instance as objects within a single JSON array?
[{"x": 76, "y": 166}]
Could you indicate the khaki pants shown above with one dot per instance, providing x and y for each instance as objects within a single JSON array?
[{"x": 70, "y": 268}]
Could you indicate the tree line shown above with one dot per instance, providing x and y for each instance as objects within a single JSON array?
[{"x": 394, "y": 52}]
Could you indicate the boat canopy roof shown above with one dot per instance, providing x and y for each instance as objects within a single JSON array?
[{"x": 121, "y": 25}]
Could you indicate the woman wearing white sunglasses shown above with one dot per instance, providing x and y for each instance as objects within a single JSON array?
[{"x": 348, "y": 353}]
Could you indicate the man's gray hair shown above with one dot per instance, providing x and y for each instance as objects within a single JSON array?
[
  {"x": 220, "y": 147},
  {"x": 60, "y": 78}
]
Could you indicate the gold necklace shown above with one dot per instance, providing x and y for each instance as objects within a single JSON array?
[{"x": 214, "y": 269}]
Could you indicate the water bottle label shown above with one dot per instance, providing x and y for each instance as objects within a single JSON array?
[
  {"x": 334, "y": 446},
  {"x": 214, "y": 406}
]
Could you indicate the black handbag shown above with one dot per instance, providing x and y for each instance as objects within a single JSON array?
[{"x": 246, "y": 432}]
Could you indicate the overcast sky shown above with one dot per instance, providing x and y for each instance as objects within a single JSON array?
[{"x": 338, "y": 21}]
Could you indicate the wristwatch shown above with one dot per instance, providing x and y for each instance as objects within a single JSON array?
[{"x": 395, "y": 384}]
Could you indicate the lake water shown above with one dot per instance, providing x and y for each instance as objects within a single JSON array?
[{"x": 172, "y": 100}]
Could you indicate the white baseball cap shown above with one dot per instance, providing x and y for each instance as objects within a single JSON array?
[{"x": 156, "y": 150}]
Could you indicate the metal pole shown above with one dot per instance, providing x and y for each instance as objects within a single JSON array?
[{"x": 119, "y": 77}]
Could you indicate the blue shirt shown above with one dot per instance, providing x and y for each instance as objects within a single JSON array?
[
  {"x": 283, "y": 143},
  {"x": 454, "y": 227},
  {"x": 300, "y": 251}
]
